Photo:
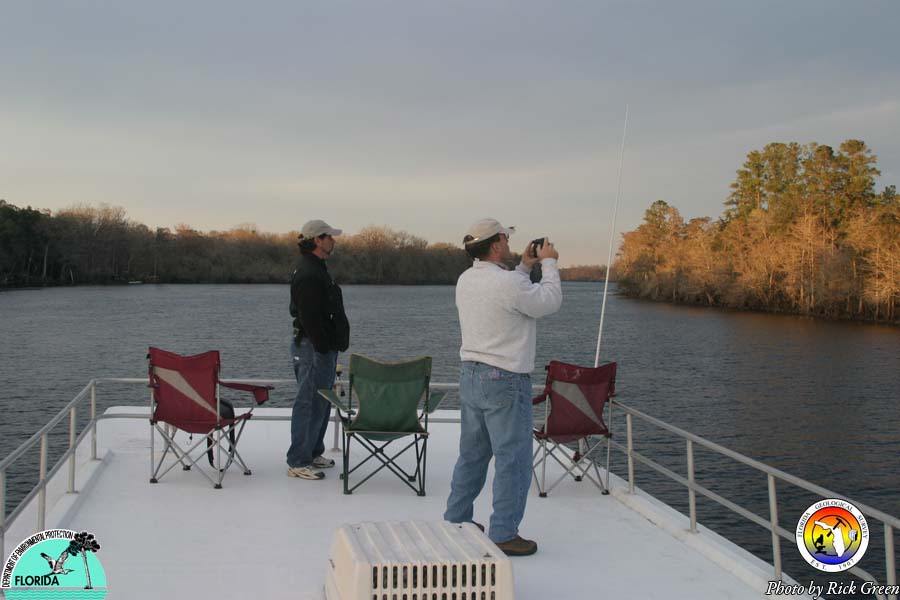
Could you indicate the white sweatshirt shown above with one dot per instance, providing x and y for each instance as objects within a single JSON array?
[{"x": 498, "y": 312}]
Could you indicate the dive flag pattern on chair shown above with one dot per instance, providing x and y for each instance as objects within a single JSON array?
[
  {"x": 574, "y": 398},
  {"x": 185, "y": 398},
  {"x": 383, "y": 408}
]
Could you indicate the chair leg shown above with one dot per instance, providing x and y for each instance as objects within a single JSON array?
[
  {"x": 572, "y": 466},
  {"x": 219, "y": 459},
  {"x": 182, "y": 456},
  {"x": 415, "y": 476},
  {"x": 152, "y": 450},
  {"x": 233, "y": 440},
  {"x": 539, "y": 480},
  {"x": 605, "y": 491},
  {"x": 190, "y": 456},
  {"x": 219, "y": 435},
  {"x": 420, "y": 466},
  {"x": 609, "y": 430},
  {"x": 232, "y": 453},
  {"x": 542, "y": 489},
  {"x": 389, "y": 462},
  {"x": 172, "y": 432},
  {"x": 424, "y": 463},
  {"x": 155, "y": 475},
  {"x": 238, "y": 459},
  {"x": 346, "y": 474},
  {"x": 578, "y": 457},
  {"x": 596, "y": 479},
  {"x": 230, "y": 435}
]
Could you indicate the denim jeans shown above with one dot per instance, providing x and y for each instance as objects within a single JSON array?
[
  {"x": 497, "y": 421},
  {"x": 309, "y": 418}
]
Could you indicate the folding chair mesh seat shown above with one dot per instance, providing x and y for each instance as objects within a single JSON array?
[
  {"x": 185, "y": 397},
  {"x": 574, "y": 398},
  {"x": 384, "y": 408}
]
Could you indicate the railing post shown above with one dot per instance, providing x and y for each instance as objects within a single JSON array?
[
  {"x": 889, "y": 557},
  {"x": 773, "y": 519},
  {"x": 93, "y": 420},
  {"x": 692, "y": 496},
  {"x": 71, "y": 489},
  {"x": 42, "y": 476},
  {"x": 337, "y": 426},
  {"x": 630, "y": 441}
]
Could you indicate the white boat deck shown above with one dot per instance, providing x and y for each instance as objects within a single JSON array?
[{"x": 268, "y": 535}]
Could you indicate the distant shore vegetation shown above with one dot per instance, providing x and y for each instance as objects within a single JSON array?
[
  {"x": 804, "y": 232},
  {"x": 100, "y": 245}
]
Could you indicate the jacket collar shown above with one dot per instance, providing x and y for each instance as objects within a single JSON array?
[
  {"x": 314, "y": 262},
  {"x": 486, "y": 264}
]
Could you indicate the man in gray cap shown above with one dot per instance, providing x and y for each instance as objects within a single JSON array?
[
  {"x": 498, "y": 311},
  {"x": 321, "y": 330}
]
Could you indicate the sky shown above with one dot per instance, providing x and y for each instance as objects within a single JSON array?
[{"x": 426, "y": 116}]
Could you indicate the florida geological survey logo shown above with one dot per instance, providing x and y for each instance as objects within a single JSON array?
[
  {"x": 57, "y": 563},
  {"x": 832, "y": 535}
]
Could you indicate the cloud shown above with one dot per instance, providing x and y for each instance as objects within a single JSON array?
[{"x": 425, "y": 116}]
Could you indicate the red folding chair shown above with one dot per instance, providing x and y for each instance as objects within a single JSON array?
[
  {"x": 574, "y": 398},
  {"x": 185, "y": 397}
]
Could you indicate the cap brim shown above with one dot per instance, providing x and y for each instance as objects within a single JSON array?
[
  {"x": 333, "y": 232},
  {"x": 508, "y": 231}
]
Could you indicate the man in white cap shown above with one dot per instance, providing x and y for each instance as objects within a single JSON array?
[
  {"x": 321, "y": 330},
  {"x": 498, "y": 311}
]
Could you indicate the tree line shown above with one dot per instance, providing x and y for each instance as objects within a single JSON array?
[
  {"x": 804, "y": 232},
  {"x": 100, "y": 245}
]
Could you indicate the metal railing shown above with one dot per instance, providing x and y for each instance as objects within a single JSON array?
[
  {"x": 773, "y": 475},
  {"x": 45, "y": 474}
]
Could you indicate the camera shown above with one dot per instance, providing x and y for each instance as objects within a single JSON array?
[{"x": 535, "y": 244}]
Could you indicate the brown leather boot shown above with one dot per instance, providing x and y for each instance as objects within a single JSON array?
[{"x": 518, "y": 546}]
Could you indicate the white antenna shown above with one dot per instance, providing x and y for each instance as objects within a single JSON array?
[{"x": 612, "y": 235}]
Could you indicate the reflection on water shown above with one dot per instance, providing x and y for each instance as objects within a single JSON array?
[{"x": 817, "y": 399}]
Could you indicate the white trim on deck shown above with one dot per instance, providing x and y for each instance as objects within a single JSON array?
[{"x": 268, "y": 535}]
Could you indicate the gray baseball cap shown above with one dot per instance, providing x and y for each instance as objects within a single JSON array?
[
  {"x": 317, "y": 227},
  {"x": 485, "y": 228}
]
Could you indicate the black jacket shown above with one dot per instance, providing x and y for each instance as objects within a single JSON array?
[{"x": 317, "y": 306}]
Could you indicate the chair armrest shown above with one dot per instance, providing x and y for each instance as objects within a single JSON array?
[
  {"x": 336, "y": 401},
  {"x": 435, "y": 397},
  {"x": 260, "y": 392},
  {"x": 538, "y": 399}
]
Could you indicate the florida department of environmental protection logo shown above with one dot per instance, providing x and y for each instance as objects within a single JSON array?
[
  {"x": 832, "y": 535},
  {"x": 57, "y": 563}
]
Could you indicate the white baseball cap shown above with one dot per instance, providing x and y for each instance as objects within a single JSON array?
[
  {"x": 317, "y": 227},
  {"x": 486, "y": 228}
]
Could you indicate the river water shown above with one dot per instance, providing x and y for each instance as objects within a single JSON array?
[{"x": 816, "y": 399}]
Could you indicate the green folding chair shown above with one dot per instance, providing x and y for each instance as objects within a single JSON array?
[{"x": 387, "y": 408}]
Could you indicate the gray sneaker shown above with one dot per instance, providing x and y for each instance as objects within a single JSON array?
[
  {"x": 305, "y": 473},
  {"x": 320, "y": 462}
]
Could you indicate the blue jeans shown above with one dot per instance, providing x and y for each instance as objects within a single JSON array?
[
  {"x": 497, "y": 421},
  {"x": 309, "y": 418}
]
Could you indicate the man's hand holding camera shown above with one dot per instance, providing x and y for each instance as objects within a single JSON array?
[{"x": 538, "y": 250}]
